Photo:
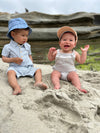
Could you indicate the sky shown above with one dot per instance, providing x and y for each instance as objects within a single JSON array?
[{"x": 50, "y": 6}]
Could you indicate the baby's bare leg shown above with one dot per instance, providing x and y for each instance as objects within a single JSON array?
[
  {"x": 13, "y": 82},
  {"x": 74, "y": 79},
  {"x": 38, "y": 80},
  {"x": 55, "y": 77}
]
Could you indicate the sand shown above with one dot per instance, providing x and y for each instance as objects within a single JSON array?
[{"x": 66, "y": 110}]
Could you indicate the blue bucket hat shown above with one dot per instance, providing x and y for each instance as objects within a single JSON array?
[{"x": 17, "y": 23}]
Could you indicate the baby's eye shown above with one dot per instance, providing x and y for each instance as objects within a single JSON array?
[
  {"x": 71, "y": 40},
  {"x": 64, "y": 39}
]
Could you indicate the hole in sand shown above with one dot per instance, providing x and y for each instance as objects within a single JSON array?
[{"x": 97, "y": 116}]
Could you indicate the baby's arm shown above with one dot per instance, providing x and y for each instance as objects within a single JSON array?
[
  {"x": 30, "y": 56},
  {"x": 16, "y": 60},
  {"x": 82, "y": 58},
  {"x": 52, "y": 53}
]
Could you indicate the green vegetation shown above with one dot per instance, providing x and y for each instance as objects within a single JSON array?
[{"x": 93, "y": 57}]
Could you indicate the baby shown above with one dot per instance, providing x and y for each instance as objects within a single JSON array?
[
  {"x": 65, "y": 57},
  {"x": 18, "y": 54}
]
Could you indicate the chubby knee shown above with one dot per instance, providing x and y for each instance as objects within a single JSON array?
[
  {"x": 38, "y": 70},
  {"x": 72, "y": 75},
  {"x": 11, "y": 72},
  {"x": 55, "y": 74}
]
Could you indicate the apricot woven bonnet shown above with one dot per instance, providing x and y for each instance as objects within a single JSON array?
[{"x": 66, "y": 29}]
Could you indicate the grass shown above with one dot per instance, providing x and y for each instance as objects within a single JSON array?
[{"x": 93, "y": 56}]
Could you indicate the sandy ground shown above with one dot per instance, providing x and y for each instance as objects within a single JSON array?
[{"x": 51, "y": 111}]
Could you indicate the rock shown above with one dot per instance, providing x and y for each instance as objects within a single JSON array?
[{"x": 45, "y": 26}]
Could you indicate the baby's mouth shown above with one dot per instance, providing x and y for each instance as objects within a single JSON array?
[{"x": 66, "y": 46}]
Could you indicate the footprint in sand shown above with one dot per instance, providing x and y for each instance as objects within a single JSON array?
[
  {"x": 97, "y": 115},
  {"x": 77, "y": 129},
  {"x": 59, "y": 108}
]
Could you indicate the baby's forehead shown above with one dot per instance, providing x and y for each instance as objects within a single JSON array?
[
  {"x": 68, "y": 33},
  {"x": 20, "y": 30}
]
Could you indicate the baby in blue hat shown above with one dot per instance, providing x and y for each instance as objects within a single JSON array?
[{"x": 18, "y": 54}]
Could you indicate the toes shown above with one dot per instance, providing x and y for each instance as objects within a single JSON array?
[
  {"x": 42, "y": 86},
  {"x": 16, "y": 92}
]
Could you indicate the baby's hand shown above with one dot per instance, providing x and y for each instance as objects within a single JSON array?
[
  {"x": 85, "y": 49},
  {"x": 52, "y": 50},
  {"x": 18, "y": 60}
]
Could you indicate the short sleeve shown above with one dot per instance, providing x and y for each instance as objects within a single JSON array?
[{"x": 5, "y": 51}]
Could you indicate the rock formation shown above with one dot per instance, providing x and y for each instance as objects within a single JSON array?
[{"x": 45, "y": 26}]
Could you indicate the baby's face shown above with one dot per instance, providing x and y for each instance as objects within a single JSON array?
[
  {"x": 20, "y": 36},
  {"x": 67, "y": 42}
]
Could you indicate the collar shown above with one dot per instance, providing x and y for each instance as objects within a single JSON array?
[{"x": 15, "y": 44}]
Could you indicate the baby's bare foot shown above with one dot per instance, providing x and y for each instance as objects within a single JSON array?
[
  {"x": 16, "y": 92},
  {"x": 41, "y": 85},
  {"x": 57, "y": 87},
  {"x": 83, "y": 90}
]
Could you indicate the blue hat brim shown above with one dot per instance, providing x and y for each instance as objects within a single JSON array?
[
  {"x": 17, "y": 23},
  {"x": 9, "y": 35}
]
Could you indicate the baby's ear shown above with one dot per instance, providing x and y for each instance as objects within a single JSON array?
[
  {"x": 75, "y": 44},
  {"x": 12, "y": 33},
  {"x": 59, "y": 43}
]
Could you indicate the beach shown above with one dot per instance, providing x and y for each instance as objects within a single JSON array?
[{"x": 66, "y": 110}]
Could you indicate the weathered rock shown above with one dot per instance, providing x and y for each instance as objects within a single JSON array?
[{"x": 45, "y": 26}]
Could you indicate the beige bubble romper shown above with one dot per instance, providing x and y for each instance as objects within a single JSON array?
[{"x": 64, "y": 63}]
